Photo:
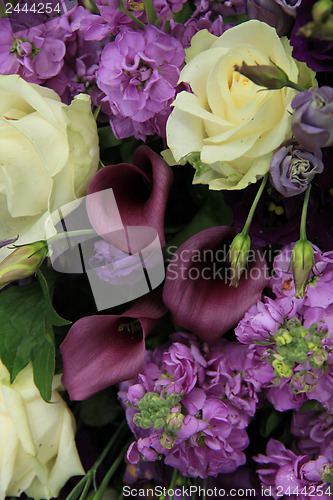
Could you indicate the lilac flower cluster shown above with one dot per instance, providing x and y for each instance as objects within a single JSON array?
[
  {"x": 54, "y": 54},
  {"x": 138, "y": 73},
  {"x": 313, "y": 432},
  {"x": 191, "y": 405},
  {"x": 295, "y": 476},
  {"x": 294, "y": 335}
]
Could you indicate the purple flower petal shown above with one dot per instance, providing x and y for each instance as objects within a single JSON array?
[
  {"x": 198, "y": 294},
  {"x": 99, "y": 351},
  {"x": 141, "y": 191}
]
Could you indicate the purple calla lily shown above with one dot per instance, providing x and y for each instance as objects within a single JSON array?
[
  {"x": 141, "y": 192},
  {"x": 198, "y": 293},
  {"x": 100, "y": 351}
]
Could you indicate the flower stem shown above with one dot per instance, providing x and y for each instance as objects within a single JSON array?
[
  {"x": 82, "y": 484},
  {"x": 135, "y": 19},
  {"x": 97, "y": 110},
  {"x": 150, "y": 11},
  {"x": 304, "y": 214},
  {"x": 254, "y": 206},
  {"x": 295, "y": 86},
  {"x": 99, "y": 493}
]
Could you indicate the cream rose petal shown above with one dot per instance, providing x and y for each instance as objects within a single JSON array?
[
  {"x": 241, "y": 126},
  {"x": 37, "y": 97},
  {"x": 196, "y": 72},
  {"x": 187, "y": 140}
]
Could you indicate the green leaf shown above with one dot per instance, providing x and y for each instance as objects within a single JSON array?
[
  {"x": 273, "y": 421},
  {"x": 107, "y": 138},
  {"x": 27, "y": 317}
]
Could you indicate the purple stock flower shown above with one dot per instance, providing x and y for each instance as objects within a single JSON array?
[
  {"x": 115, "y": 19},
  {"x": 237, "y": 372},
  {"x": 36, "y": 54},
  {"x": 174, "y": 417},
  {"x": 270, "y": 12},
  {"x": 185, "y": 32},
  {"x": 287, "y": 473},
  {"x": 313, "y": 431},
  {"x": 292, "y": 169},
  {"x": 319, "y": 293},
  {"x": 295, "y": 335},
  {"x": 139, "y": 72},
  {"x": 315, "y": 51},
  {"x": 263, "y": 319},
  {"x": 223, "y": 7},
  {"x": 166, "y": 8},
  {"x": 312, "y": 121}
]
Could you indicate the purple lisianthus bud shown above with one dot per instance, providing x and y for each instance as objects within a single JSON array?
[
  {"x": 270, "y": 12},
  {"x": 293, "y": 168},
  {"x": 270, "y": 76},
  {"x": 312, "y": 121}
]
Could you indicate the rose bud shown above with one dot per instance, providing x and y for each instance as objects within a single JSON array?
[
  {"x": 312, "y": 121},
  {"x": 302, "y": 261},
  {"x": 238, "y": 254},
  {"x": 269, "y": 76},
  {"x": 22, "y": 263}
]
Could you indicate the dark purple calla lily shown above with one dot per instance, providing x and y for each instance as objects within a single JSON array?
[
  {"x": 198, "y": 293},
  {"x": 100, "y": 351},
  {"x": 141, "y": 192}
]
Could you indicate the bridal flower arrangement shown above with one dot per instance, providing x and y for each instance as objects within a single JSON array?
[{"x": 166, "y": 249}]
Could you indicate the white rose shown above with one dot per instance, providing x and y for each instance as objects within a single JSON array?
[
  {"x": 48, "y": 154},
  {"x": 231, "y": 128},
  {"x": 37, "y": 448}
]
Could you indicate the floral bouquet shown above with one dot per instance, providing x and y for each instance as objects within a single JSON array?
[{"x": 166, "y": 249}]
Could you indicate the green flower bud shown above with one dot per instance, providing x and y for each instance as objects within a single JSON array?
[
  {"x": 302, "y": 261},
  {"x": 321, "y": 11},
  {"x": 318, "y": 359},
  {"x": 167, "y": 441},
  {"x": 284, "y": 338},
  {"x": 238, "y": 254},
  {"x": 174, "y": 421},
  {"x": 283, "y": 369},
  {"x": 159, "y": 423},
  {"x": 23, "y": 262},
  {"x": 146, "y": 423},
  {"x": 272, "y": 77}
]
